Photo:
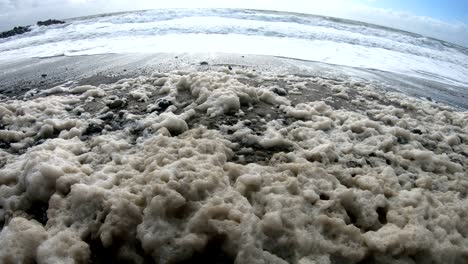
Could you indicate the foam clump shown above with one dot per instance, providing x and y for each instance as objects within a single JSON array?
[
  {"x": 196, "y": 167},
  {"x": 63, "y": 247},
  {"x": 20, "y": 240}
]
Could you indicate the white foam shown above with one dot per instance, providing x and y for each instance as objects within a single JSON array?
[{"x": 324, "y": 180}]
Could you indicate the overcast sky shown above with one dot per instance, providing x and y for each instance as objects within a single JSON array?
[{"x": 447, "y": 20}]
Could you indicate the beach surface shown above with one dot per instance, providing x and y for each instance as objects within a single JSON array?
[
  {"x": 228, "y": 158},
  {"x": 20, "y": 76}
]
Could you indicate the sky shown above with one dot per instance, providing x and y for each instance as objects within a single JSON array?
[{"x": 442, "y": 19}]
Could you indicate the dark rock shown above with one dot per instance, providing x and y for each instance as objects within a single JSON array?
[
  {"x": 429, "y": 98},
  {"x": 116, "y": 104},
  {"x": 203, "y": 63},
  {"x": 43, "y": 75},
  {"x": 50, "y": 22},
  {"x": 107, "y": 116},
  {"x": 279, "y": 91},
  {"x": 15, "y": 31},
  {"x": 93, "y": 129},
  {"x": 163, "y": 104},
  {"x": 416, "y": 131}
]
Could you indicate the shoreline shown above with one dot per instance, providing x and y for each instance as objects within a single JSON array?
[{"x": 23, "y": 75}]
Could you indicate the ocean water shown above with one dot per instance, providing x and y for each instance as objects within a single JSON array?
[{"x": 306, "y": 37}]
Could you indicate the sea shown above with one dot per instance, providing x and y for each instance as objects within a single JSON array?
[{"x": 300, "y": 36}]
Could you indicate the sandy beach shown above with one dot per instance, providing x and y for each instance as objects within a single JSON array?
[{"x": 222, "y": 158}]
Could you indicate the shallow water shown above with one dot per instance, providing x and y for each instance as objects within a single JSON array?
[{"x": 323, "y": 39}]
